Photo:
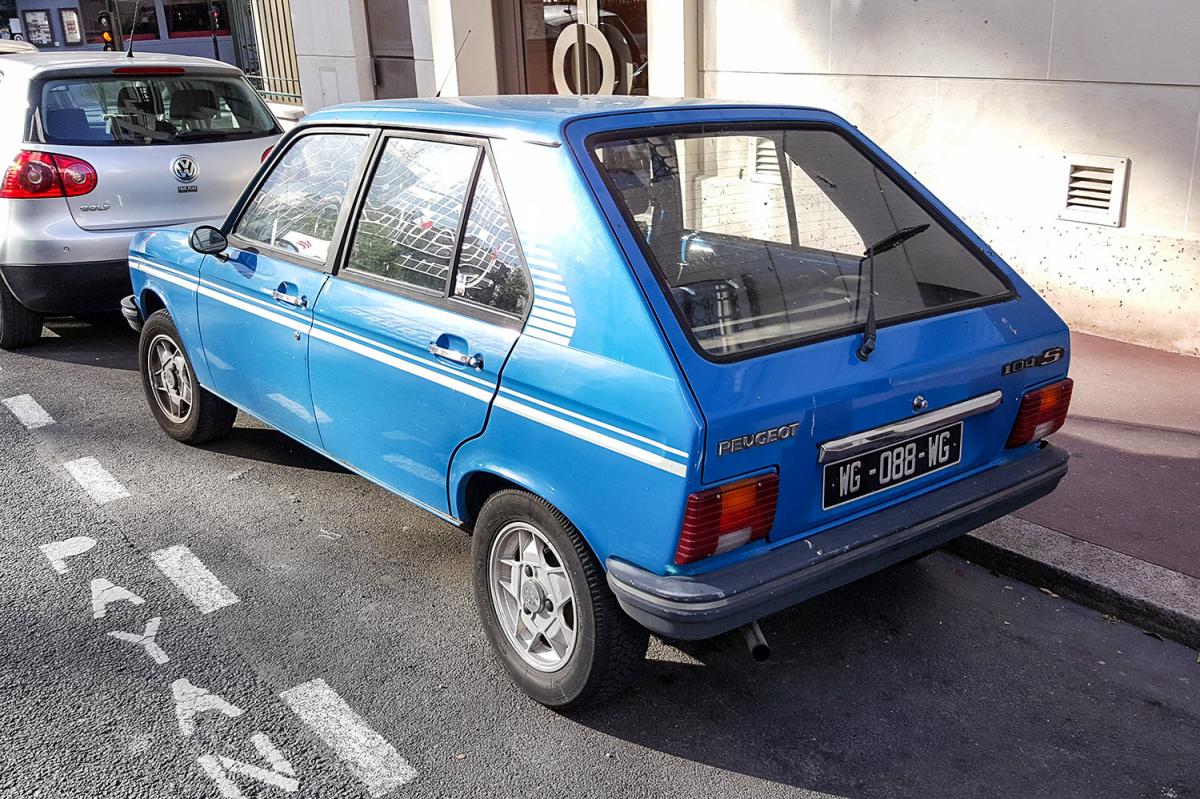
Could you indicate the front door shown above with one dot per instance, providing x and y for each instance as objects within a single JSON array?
[
  {"x": 588, "y": 47},
  {"x": 256, "y": 299},
  {"x": 411, "y": 334}
]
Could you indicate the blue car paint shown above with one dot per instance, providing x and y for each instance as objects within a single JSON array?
[{"x": 615, "y": 418}]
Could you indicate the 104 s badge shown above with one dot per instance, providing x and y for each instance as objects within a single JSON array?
[{"x": 1052, "y": 355}]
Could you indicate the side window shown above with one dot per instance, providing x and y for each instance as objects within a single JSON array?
[
  {"x": 489, "y": 270},
  {"x": 296, "y": 208},
  {"x": 411, "y": 215}
]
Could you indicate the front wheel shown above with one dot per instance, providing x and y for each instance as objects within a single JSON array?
[
  {"x": 546, "y": 607},
  {"x": 184, "y": 409}
]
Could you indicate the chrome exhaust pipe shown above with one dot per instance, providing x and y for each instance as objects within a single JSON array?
[{"x": 760, "y": 650}]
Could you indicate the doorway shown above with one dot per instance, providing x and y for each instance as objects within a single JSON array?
[{"x": 587, "y": 47}]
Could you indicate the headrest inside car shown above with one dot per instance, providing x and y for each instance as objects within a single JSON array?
[
  {"x": 68, "y": 123},
  {"x": 138, "y": 100},
  {"x": 194, "y": 104}
]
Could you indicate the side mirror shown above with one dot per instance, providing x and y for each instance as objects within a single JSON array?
[{"x": 207, "y": 240}]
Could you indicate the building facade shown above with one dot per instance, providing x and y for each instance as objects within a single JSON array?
[{"x": 1064, "y": 131}]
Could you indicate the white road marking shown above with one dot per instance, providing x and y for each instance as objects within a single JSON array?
[
  {"x": 59, "y": 551},
  {"x": 370, "y": 758},
  {"x": 191, "y": 700},
  {"x": 48, "y": 333},
  {"x": 198, "y": 584},
  {"x": 95, "y": 479},
  {"x": 146, "y": 640},
  {"x": 105, "y": 593},
  {"x": 28, "y": 412},
  {"x": 281, "y": 774}
]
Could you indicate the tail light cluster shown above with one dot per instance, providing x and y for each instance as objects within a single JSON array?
[
  {"x": 720, "y": 519},
  {"x": 1043, "y": 411},
  {"x": 34, "y": 175}
]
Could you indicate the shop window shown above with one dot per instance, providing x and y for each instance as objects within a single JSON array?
[{"x": 188, "y": 18}]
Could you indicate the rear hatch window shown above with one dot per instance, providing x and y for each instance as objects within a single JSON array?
[
  {"x": 768, "y": 237},
  {"x": 151, "y": 109}
]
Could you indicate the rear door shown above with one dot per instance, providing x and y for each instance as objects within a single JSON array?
[
  {"x": 168, "y": 145},
  {"x": 255, "y": 306},
  {"x": 411, "y": 334}
]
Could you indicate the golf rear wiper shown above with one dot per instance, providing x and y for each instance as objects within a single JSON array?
[{"x": 883, "y": 245}]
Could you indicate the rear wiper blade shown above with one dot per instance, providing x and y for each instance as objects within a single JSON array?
[{"x": 883, "y": 245}]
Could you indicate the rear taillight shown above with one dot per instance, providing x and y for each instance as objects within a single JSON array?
[
  {"x": 720, "y": 519},
  {"x": 266, "y": 154},
  {"x": 34, "y": 175},
  {"x": 1043, "y": 411}
]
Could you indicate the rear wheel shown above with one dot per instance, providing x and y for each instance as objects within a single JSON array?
[
  {"x": 183, "y": 408},
  {"x": 19, "y": 326},
  {"x": 546, "y": 607}
]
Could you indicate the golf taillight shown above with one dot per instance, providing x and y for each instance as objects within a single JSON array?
[
  {"x": 720, "y": 519},
  {"x": 34, "y": 175},
  {"x": 1043, "y": 411}
]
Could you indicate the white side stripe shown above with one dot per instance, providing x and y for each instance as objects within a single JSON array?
[
  {"x": 193, "y": 579},
  {"x": 95, "y": 479},
  {"x": 368, "y": 755},
  {"x": 28, "y": 412},
  {"x": 596, "y": 422},
  {"x": 593, "y": 437}
]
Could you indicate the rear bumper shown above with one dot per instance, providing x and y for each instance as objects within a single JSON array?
[
  {"x": 131, "y": 313},
  {"x": 69, "y": 288},
  {"x": 701, "y": 606}
]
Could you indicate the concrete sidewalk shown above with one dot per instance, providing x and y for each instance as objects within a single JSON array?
[{"x": 1122, "y": 532}]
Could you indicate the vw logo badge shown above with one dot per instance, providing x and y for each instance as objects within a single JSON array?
[
  {"x": 919, "y": 404},
  {"x": 184, "y": 168}
]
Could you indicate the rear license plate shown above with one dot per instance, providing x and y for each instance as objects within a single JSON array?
[{"x": 890, "y": 466}]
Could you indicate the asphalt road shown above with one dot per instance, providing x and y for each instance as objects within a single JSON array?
[{"x": 352, "y": 664}]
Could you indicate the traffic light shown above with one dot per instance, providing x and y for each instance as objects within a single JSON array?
[{"x": 110, "y": 32}]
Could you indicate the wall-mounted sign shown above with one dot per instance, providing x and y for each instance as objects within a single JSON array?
[
  {"x": 72, "y": 29},
  {"x": 37, "y": 28}
]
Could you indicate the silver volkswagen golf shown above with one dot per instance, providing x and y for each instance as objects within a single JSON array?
[{"x": 96, "y": 146}]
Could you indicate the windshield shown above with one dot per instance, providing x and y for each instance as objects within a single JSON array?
[
  {"x": 762, "y": 236},
  {"x": 152, "y": 110}
]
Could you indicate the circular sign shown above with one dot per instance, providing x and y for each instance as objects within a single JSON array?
[{"x": 184, "y": 168}]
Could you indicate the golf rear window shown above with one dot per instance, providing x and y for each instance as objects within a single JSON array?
[
  {"x": 150, "y": 109},
  {"x": 760, "y": 236}
]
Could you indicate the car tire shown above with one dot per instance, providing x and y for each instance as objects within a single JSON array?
[
  {"x": 605, "y": 644},
  {"x": 19, "y": 326},
  {"x": 183, "y": 408}
]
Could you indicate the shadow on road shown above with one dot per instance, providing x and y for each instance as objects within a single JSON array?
[
  {"x": 271, "y": 446},
  {"x": 932, "y": 679},
  {"x": 107, "y": 342}
]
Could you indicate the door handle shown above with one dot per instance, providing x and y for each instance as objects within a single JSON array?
[
  {"x": 474, "y": 361},
  {"x": 289, "y": 299}
]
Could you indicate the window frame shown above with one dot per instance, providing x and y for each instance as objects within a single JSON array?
[
  {"x": 353, "y": 189},
  {"x": 446, "y": 299},
  {"x": 593, "y": 141}
]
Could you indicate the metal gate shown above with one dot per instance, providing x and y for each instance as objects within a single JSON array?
[{"x": 266, "y": 47}]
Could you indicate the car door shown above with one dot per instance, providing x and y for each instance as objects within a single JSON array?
[
  {"x": 412, "y": 331},
  {"x": 255, "y": 301}
]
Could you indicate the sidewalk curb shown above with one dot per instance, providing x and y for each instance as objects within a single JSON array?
[{"x": 1145, "y": 595}]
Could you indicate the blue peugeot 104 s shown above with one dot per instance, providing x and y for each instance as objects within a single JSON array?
[{"x": 675, "y": 364}]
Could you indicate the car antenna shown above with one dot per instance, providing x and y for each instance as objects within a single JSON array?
[
  {"x": 454, "y": 65},
  {"x": 137, "y": 11}
]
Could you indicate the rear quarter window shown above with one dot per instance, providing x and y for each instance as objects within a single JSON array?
[{"x": 147, "y": 110}]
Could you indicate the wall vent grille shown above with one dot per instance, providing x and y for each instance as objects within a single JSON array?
[{"x": 1096, "y": 187}]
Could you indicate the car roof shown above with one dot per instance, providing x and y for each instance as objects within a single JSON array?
[
  {"x": 531, "y": 117},
  {"x": 103, "y": 62}
]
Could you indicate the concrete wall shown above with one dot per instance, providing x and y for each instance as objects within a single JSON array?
[{"x": 981, "y": 99}]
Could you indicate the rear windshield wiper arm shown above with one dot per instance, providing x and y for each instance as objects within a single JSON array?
[{"x": 883, "y": 245}]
